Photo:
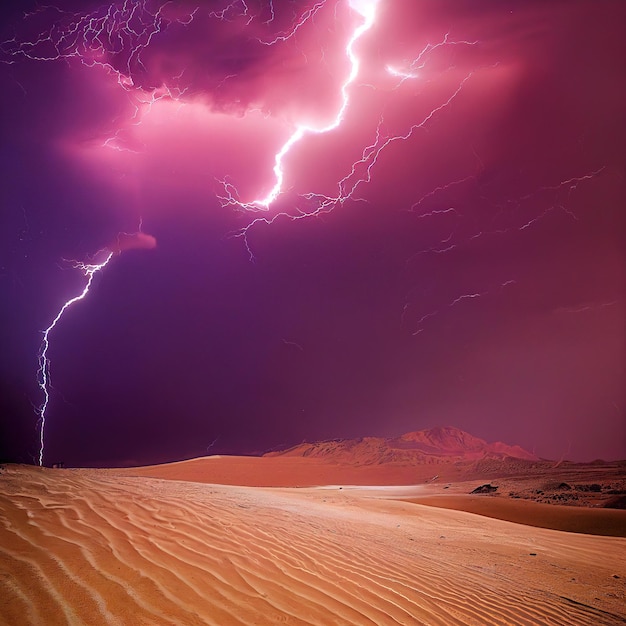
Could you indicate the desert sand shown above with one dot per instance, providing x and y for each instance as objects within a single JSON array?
[{"x": 107, "y": 547}]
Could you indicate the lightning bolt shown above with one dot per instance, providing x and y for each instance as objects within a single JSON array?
[
  {"x": 361, "y": 170},
  {"x": 367, "y": 9},
  {"x": 420, "y": 61},
  {"x": 304, "y": 18},
  {"x": 123, "y": 241},
  {"x": 457, "y": 301},
  {"x": 89, "y": 270}
]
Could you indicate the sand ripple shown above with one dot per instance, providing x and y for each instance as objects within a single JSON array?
[{"x": 86, "y": 547}]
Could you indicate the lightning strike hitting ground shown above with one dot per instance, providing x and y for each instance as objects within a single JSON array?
[{"x": 89, "y": 270}]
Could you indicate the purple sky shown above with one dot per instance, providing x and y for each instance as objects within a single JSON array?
[{"x": 475, "y": 277}]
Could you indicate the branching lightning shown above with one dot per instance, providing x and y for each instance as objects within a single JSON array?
[
  {"x": 360, "y": 172},
  {"x": 349, "y": 183},
  {"x": 553, "y": 194},
  {"x": 308, "y": 15},
  {"x": 419, "y": 62},
  {"x": 367, "y": 8}
]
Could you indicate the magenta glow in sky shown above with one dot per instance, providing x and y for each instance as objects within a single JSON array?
[{"x": 372, "y": 217}]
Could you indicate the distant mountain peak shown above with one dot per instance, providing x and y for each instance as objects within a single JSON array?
[
  {"x": 451, "y": 440},
  {"x": 445, "y": 438}
]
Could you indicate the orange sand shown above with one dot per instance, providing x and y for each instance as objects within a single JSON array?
[
  {"x": 286, "y": 472},
  {"x": 92, "y": 547}
]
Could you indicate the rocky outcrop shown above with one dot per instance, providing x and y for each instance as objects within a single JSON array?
[{"x": 488, "y": 488}]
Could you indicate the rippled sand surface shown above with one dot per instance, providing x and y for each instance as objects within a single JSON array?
[{"x": 91, "y": 547}]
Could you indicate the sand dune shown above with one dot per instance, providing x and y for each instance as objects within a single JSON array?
[
  {"x": 567, "y": 518},
  {"x": 89, "y": 547},
  {"x": 254, "y": 471}
]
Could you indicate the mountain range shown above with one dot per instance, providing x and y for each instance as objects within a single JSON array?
[{"x": 435, "y": 445}]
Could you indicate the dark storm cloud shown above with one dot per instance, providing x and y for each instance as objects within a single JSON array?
[{"x": 221, "y": 55}]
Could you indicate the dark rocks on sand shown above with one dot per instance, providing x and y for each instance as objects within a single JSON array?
[{"x": 487, "y": 488}]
